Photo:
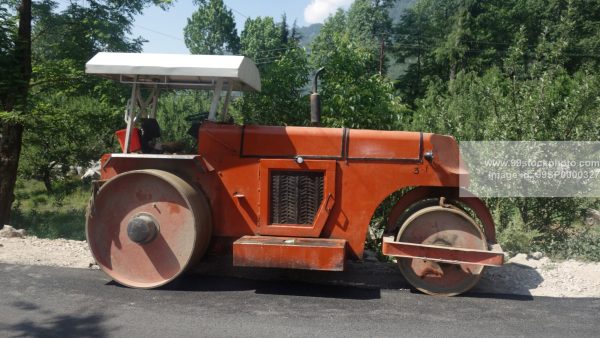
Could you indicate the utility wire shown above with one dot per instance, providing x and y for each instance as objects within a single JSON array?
[
  {"x": 158, "y": 32},
  {"x": 240, "y": 13}
]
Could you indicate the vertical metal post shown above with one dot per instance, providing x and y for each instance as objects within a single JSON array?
[
  {"x": 130, "y": 116},
  {"x": 153, "y": 102},
  {"x": 212, "y": 113},
  {"x": 225, "y": 110}
]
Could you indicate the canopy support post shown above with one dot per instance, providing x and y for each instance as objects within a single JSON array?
[
  {"x": 225, "y": 110},
  {"x": 212, "y": 113},
  {"x": 130, "y": 116}
]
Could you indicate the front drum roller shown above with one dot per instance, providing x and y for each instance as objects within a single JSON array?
[
  {"x": 146, "y": 227},
  {"x": 443, "y": 226}
]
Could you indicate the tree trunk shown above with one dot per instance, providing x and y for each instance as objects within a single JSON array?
[
  {"x": 12, "y": 132},
  {"x": 453, "y": 72},
  {"x": 47, "y": 179},
  {"x": 10, "y": 149}
]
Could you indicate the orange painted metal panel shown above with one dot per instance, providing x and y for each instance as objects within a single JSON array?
[
  {"x": 441, "y": 254},
  {"x": 367, "y": 144},
  {"x": 290, "y": 252},
  {"x": 266, "y": 141}
]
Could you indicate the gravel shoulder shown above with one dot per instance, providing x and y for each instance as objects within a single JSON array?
[{"x": 521, "y": 275}]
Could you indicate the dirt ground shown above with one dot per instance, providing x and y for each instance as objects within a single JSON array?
[{"x": 522, "y": 275}]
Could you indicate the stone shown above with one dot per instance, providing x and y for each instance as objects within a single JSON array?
[
  {"x": 519, "y": 258},
  {"x": 10, "y": 232},
  {"x": 537, "y": 255},
  {"x": 592, "y": 217}
]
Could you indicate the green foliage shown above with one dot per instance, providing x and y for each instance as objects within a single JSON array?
[
  {"x": 369, "y": 24},
  {"x": 71, "y": 117},
  {"x": 262, "y": 39},
  {"x": 284, "y": 72},
  {"x": 507, "y": 70},
  {"x": 439, "y": 38},
  {"x": 582, "y": 243},
  {"x": 516, "y": 236},
  {"x": 8, "y": 29},
  {"x": 173, "y": 112},
  {"x": 353, "y": 93},
  {"x": 211, "y": 29},
  {"x": 8, "y": 65},
  {"x": 60, "y": 214},
  {"x": 66, "y": 131}
]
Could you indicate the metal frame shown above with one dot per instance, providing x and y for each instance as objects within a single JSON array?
[
  {"x": 442, "y": 254},
  {"x": 108, "y": 158},
  {"x": 138, "y": 106},
  {"x": 165, "y": 83}
]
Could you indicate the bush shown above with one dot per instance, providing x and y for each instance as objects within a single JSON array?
[
  {"x": 582, "y": 243},
  {"x": 516, "y": 237}
]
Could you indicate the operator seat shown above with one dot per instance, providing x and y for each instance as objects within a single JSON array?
[{"x": 150, "y": 132}]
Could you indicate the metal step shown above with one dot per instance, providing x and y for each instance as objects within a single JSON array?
[{"x": 290, "y": 253}]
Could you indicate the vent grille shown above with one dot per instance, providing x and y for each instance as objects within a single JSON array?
[{"x": 295, "y": 196}]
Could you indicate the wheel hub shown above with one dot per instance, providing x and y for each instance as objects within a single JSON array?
[{"x": 142, "y": 229}]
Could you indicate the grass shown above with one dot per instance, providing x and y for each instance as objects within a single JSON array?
[{"x": 59, "y": 214}]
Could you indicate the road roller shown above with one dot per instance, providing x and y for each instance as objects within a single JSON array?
[{"x": 290, "y": 197}]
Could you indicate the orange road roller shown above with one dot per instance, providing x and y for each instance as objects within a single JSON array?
[{"x": 272, "y": 196}]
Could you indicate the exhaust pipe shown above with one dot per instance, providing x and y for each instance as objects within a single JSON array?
[{"x": 315, "y": 101}]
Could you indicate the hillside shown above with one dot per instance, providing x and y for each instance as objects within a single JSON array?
[{"x": 308, "y": 33}]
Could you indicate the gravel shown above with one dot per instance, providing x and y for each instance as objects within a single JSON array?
[
  {"x": 522, "y": 275},
  {"x": 31, "y": 250}
]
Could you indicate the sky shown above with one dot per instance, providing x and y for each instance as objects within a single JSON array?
[{"x": 164, "y": 29}]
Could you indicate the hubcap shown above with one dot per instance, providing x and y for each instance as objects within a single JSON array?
[{"x": 142, "y": 229}]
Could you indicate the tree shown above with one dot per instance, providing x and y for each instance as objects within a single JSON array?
[
  {"x": 368, "y": 21},
  {"x": 284, "y": 72},
  {"x": 211, "y": 29},
  {"x": 530, "y": 94},
  {"x": 16, "y": 103},
  {"x": 352, "y": 95},
  {"x": 69, "y": 130},
  {"x": 440, "y": 38},
  {"x": 353, "y": 92},
  {"x": 13, "y": 101}
]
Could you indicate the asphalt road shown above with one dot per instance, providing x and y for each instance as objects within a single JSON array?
[{"x": 46, "y": 301}]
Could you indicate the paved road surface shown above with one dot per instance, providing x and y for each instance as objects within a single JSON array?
[{"x": 45, "y": 301}]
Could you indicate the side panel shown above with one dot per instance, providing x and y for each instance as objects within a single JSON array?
[{"x": 287, "y": 142}]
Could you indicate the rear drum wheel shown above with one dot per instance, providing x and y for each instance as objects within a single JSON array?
[
  {"x": 443, "y": 226},
  {"x": 146, "y": 227}
]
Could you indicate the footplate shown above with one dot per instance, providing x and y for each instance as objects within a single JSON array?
[
  {"x": 290, "y": 253},
  {"x": 443, "y": 254}
]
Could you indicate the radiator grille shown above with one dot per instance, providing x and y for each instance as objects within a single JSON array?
[{"x": 295, "y": 196}]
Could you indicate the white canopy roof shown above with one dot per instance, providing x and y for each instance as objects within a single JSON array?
[{"x": 177, "y": 70}]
